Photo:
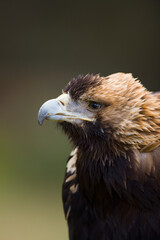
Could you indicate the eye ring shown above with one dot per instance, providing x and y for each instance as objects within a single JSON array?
[{"x": 95, "y": 105}]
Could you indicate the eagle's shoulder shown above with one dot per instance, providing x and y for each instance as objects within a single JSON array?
[
  {"x": 76, "y": 206},
  {"x": 71, "y": 163},
  {"x": 150, "y": 163},
  {"x": 70, "y": 184}
]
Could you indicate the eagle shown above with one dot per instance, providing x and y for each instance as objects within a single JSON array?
[{"x": 111, "y": 189}]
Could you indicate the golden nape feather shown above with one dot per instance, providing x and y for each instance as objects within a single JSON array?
[
  {"x": 112, "y": 184},
  {"x": 133, "y": 111}
]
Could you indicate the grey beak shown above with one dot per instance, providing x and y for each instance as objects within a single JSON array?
[{"x": 49, "y": 110}]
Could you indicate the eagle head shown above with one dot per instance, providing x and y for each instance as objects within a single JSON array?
[{"x": 116, "y": 110}]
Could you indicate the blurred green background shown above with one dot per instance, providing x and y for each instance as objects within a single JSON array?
[{"x": 43, "y": 44}]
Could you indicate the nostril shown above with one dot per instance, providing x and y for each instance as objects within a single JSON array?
[{"x": 61, "y": 102}]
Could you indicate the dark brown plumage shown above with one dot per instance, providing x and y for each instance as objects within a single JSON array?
[{"x": 111, "y": 189}]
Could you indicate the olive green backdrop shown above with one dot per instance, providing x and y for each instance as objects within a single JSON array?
[{"x": 43, "y": 44}]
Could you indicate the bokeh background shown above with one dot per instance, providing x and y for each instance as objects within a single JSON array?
[{"x": 43, "y": 44}]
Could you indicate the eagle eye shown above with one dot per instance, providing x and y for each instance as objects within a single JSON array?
[{"x": 95, "y": 105}]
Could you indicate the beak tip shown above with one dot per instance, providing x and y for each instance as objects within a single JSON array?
[
  {"x": 41, "y": 118},
  {"x": 40, "y": 122}
]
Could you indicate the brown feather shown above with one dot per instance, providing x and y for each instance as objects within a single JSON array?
[
  {"x": 112, "y": 184},
  {"x": 157, "y": 94}
]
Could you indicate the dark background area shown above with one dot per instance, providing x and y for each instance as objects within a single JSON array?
[{"x": 43, "y": 45}]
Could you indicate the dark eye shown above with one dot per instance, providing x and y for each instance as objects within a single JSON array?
[{"x": 95, "y": 105}]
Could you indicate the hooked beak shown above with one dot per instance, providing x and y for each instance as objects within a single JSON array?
[{"x": 60, "y": 109}]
